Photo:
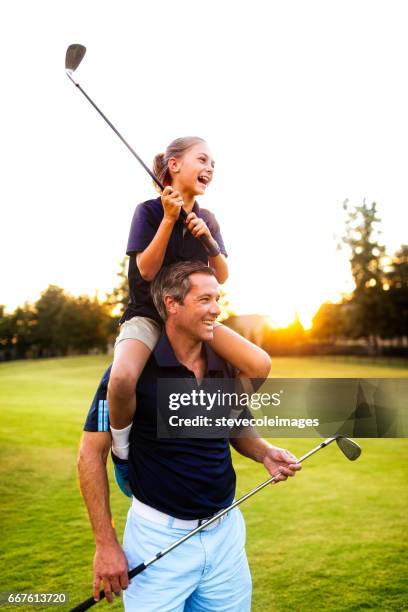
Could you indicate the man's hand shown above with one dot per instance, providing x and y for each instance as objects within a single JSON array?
[
  {"x": 280, "y": 463},
  {"x": 197, "y": 226},
  {"x": 110, "y": 567}
]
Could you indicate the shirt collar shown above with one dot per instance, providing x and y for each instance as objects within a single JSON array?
[
  {"x": 166, "y": 358},
  {"x": 196, "y": 209}
]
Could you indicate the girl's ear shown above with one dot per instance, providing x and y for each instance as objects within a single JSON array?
[{"x": 174, "y": 165}]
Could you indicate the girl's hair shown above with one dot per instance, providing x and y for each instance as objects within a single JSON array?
[{"x": 177, "y": 148}]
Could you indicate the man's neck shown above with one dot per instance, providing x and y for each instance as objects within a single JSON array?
[{"x": 187, "y": 349}]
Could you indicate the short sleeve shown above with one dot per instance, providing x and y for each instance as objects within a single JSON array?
[
  {"x": 98, "y": 415},
  {"x": 142, "y": 230}
]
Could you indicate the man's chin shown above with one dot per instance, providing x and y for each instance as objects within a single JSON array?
[
  {"x": 201, "y": 333},
  {"x": 207, "y": 334}
]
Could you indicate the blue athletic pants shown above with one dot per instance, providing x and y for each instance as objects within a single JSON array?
[{"x": 208, "y": 573}]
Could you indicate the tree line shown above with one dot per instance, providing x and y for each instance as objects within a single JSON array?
[
  {"x": 59, "y": 324},
  {"x": 376, "y": 311},
  {"x": 373, "y": 319}
]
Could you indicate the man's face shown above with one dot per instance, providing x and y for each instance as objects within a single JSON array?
[{"x": 197, "y": 314}]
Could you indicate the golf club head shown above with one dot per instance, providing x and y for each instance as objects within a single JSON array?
[
  {"x": 73, "y": 57},
  {"x": 349, "y": 448}
]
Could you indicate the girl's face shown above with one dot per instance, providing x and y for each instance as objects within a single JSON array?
[{"x": 193, "y": 172}]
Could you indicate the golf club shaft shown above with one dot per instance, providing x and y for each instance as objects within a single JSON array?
[
  {"x": 156, "y": 180},
  {"x": 210, "y": 245},
  {"x": 88, "y": 603}
]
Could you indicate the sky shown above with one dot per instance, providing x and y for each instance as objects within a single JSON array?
[{"x": 303, "y": 103}]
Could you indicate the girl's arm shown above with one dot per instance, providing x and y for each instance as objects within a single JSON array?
[
  {"x": 249, "y": 359},
  {"x": 198, "y": 227},
  {"x": 220, "y": 266},
  {"x": 151, "y": 259}
]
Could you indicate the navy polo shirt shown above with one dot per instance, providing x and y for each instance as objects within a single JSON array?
[
  {"x": 186, "y": 478},
  {"x": 182, "y": 246}
]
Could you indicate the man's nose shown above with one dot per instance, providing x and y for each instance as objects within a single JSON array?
[{"x": 215, "y": 308}]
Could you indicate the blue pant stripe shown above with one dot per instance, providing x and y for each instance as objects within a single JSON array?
[
  {"x": 100, "y": 415},
  {"x": 105, "y": 416}
]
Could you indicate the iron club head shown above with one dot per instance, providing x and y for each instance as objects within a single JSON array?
[
  {"x": 349, "y": 448},
  {"x": 73, "y": 57}
]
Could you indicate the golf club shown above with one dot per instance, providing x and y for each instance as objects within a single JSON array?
[
  {"x": 348, "y": 447},
  {"x": 74, "y": 56}
]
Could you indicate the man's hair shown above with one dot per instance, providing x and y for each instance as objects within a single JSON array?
[{"x": 174, "y": 280}]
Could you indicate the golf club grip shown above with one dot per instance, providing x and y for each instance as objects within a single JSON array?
[
  {"x": 210, "y": 245},
  {"x": 88, "y": 603}
]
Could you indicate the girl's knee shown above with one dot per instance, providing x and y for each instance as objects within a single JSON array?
[
  {"x": 122, "y": 383},
  {"x": 262, "y": 365}
]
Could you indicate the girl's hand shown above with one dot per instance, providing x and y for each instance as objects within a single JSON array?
[
  {"x": 197, "y": 226},
  {"x": 171, "y": 202}
]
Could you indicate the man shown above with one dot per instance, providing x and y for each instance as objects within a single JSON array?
[{"x": 175, "y": 482}]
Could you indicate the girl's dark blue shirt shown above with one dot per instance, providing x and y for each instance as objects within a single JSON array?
[{"x": 182, "y": 246}]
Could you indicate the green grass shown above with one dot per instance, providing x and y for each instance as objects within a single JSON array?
[{"x": 334, "y": 538}]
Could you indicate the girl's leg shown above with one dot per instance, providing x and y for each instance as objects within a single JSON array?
[
  {"x": 249, "y": 359},
  {"x": 130, "y": 358},
  {"x": 136, "y": 340}
]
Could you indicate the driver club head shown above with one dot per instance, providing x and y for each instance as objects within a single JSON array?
[
  {"x": 73, "y": 57},
  {"x": 349, "y": 448}
]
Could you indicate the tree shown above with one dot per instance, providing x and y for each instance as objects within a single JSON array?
[
  {"x": 396, "y": 294},
  {"x": 397, "y": 272},
  {"x": 82, "y": 325},
  {"x": 66, "y": 324},
  {"x": 328, "y": 322},
  {"x": 7, "y": 333},
  {"x": 226, "y": 309},
  {"x": 48, "y": 314},
  {"x": 366, "y": 253},
  {"x": 361, "y": 236},
  {"x": 118, "y": 299},
  {"x": 25, "y": 323}
]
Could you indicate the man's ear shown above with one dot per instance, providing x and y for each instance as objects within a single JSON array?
[{"x": 171, "y": 304}]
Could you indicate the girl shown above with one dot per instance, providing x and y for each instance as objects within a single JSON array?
[{"x": 159, "y": 238}]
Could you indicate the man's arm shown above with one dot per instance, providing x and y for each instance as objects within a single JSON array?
[
  {"x": 110, "y": 564},
  {"x": 278, "y": 461}
]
